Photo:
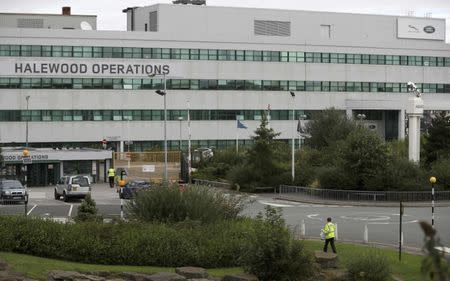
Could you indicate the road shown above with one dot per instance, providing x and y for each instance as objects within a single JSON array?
[{"x": 382, "y": 222}]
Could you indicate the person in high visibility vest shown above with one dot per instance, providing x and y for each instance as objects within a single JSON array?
[
  {"x": 329, "y": 231},
  {"x": 111, "y": 176}
]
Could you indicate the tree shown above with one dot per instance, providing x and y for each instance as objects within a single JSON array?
[
  {"x": 327, "y": 127},
  {"x": 364, "y": 155},
  {"x": 437, "y": 144},
  {"x": 263, "y": 164},
  {"x": 87, "y": 211}
]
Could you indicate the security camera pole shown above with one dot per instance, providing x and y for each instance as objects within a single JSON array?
[{"x": 414, "y": 112}]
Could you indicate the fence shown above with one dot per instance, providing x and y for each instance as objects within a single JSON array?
[
  {"x": 355, "y": 195},
  {"x": 212, "y": 183},
  {"x": 10, "y": 206},
  {"x": 148, "y": 165}
]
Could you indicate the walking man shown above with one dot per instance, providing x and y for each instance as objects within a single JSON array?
[
  {"x": 111, "y": 176},
  {"x": 329, "y": 230}
]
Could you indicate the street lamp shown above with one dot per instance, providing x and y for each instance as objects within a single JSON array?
[
  {"x": 361, "y": 117},
  {"x": 432, "y": 181},
  {"x": 26, "y": 122},
  {"x": 164, "y": 94},
  {"x": 293, "y": 136},
  {"x": 180, "y": 118}
]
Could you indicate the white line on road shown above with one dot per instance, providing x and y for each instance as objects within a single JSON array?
[
  {"x": 70, "y": 210},
  {"x": 29, "y": 212}
]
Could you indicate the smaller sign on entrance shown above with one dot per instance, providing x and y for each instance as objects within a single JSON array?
[
  {"x": 26, "y": 160},
  {"x": 148, "y": 168}
]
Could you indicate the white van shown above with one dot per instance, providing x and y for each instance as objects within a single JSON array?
[{"x": 72, "y": 187}]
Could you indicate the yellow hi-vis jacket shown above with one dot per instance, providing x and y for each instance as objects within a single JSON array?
[
  {"x": 328, "y": 230},
  {"x": 111, "y": 172}
]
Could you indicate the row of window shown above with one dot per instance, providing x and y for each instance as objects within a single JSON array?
[
  {"x": 146, "y": 115},
  {"x": 215, "y": 54},
  {"x": 195, "y": 84}
]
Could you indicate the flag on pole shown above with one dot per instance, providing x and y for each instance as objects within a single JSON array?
[{"x": 241, "y": 125}]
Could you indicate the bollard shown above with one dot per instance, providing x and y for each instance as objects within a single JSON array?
[
  {"x": 26, "y": 208},
  {"x": 366, "y": 234},
  {"x": 303, "y": 229},
  {"x": 121, "y": 209}
]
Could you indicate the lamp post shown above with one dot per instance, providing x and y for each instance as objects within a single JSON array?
[
  {"x": 293, "y": 137},
  {"x": 26, "y": 123},
  {"x": 189, "y": 139},
  {"x": 432, "y": 181},
  {"x": 180, "y": 118},
  {"x": 164, "y": 94},
  {"x": 361, "y": 117}
]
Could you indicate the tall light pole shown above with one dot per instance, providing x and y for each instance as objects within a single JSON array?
[
  {"x": 164, "y": 94},
  {"x": 180, "y": 118},
  {"x": 361, "y": 117},
  {"x": 293, "y": 136},
  {"x": 189, "y": 139},
  {"x": 26, "y": 123}
]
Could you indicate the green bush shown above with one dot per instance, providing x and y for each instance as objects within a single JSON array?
[
  {"x": 273, "y": 255},
  {"x": 441, "y": 170},
  {"x": 170, "y": 204},
  {"x": 87, "y": 211},
  {"x": 369, "y": 266},
  {"x": 221, "y": 244}
]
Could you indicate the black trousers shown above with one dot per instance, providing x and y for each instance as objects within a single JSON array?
[
  {"x": 111, "y": 182},
  {"x": 331, "y": 241}
]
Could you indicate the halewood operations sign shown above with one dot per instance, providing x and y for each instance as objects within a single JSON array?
[{"x": 88, "y": 68}]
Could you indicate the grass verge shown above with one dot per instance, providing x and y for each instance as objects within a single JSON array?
[
  {"x": 407, "y": 269},
  {"x": 38, "y": 268}
]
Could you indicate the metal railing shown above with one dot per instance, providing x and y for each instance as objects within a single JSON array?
[
  {"x": 356, "y": 195},
  {"x": 211, "y": 183}
]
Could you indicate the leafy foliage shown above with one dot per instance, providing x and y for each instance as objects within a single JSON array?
[
  {"x": 170, "y": 204},
  {"x": 437, "y": 145},
  {"x": 221, "y": 244},
  {"x": 87, "y": 211},
  {"x": 369, "y": 266},
  {"x": 274, "y": 255},
  {"x": 328, "y": 126},
  {"x": 218, "y": 167},
  {"x": 441, "y": 170},
  {"x": 264, "y": 162}
]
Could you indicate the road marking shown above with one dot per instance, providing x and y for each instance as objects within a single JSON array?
[
  {"x": 313, "y": 217},
  {"x": 37, "y": 195},
  {"x": 29, "y": 212},
  {"x": 70, "y": 210},
  {"x": 276, "y": 204}
]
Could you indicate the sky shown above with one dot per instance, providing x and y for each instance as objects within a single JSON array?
[{"x": 110, "y": 16}]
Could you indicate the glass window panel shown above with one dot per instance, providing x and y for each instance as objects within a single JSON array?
[
  {"x": 107, "y": 52},
  {"x": 325, "y": 86},
  {"x": 257, "y": 55},
  {"x": 184, "y": 54},
  {"x": 194, "y": 54},
  {"x": 117, "y": 52},
  {"x": 350, "y": 58},
  {"x": 67, "y": 51},
  {"x": 98, "y": 116},
  {"x": 117, "y": 115},
  {"x": 46, "y": 51},
  {"x": 341, "y": 58},
  {"x": 212, "y": 54},
  {"x": 67, "y": 115},
  {"x": 107, "y": 83},
  {"x": 87, "y": 52},
  {"x": 25, "y": 51},
  {"x": 46, "y": 115},
  {"x": 240, "y": 55},
  {"x": 4, "y": 50},
  {"x": 203, "y": 54},
  {"x": 326, "y": 57},
  {"x": 308, "y": 57},
  {"x": 36, "y": 51},
  {"x": 249, "y": 55},
  {"x": 97, "y": 52},
  {"x": 175, "y": 54},
  {"x": 156, "y": 53},
  {"x": 358, "y": 58},
  {"x": 77, "y": 51},
  {"x": 137, "y": 115},
  {"x": 15, "y": 50},
  {"x": 77, "y": 115},
  {"x": 147, "y": 53},
  {"x": 333, "y": 58}
]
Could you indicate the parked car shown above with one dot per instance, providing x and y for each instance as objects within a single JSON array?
[
  {"x": 132, "y": 187},
  {"x": 12, "y": 191},
  {"x": 72, "y": 187}
]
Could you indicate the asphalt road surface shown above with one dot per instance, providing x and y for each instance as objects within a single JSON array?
[{"x": 382, "y": 223}]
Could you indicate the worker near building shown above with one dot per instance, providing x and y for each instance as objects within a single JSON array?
[
  {"x": 111, "y": 176},
  {"x": 329, "y": 232}
]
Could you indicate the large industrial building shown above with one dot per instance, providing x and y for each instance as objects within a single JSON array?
[{"x": 73, "y": 86}]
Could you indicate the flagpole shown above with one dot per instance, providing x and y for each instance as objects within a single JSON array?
[{"x": 237, "y": 136}]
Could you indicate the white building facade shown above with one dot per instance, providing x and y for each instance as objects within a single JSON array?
[{"x": 226, "y": 63}]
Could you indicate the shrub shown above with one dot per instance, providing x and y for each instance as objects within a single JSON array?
[
  {"x": 273, "y": 255},
  {"x": 87, "y": 211},
  {"x": 369, "y": 266},
  {"x": 441, "y": 170},
  {"x": 221, "y": 244},
  {"x": 170, "y": 204}
]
